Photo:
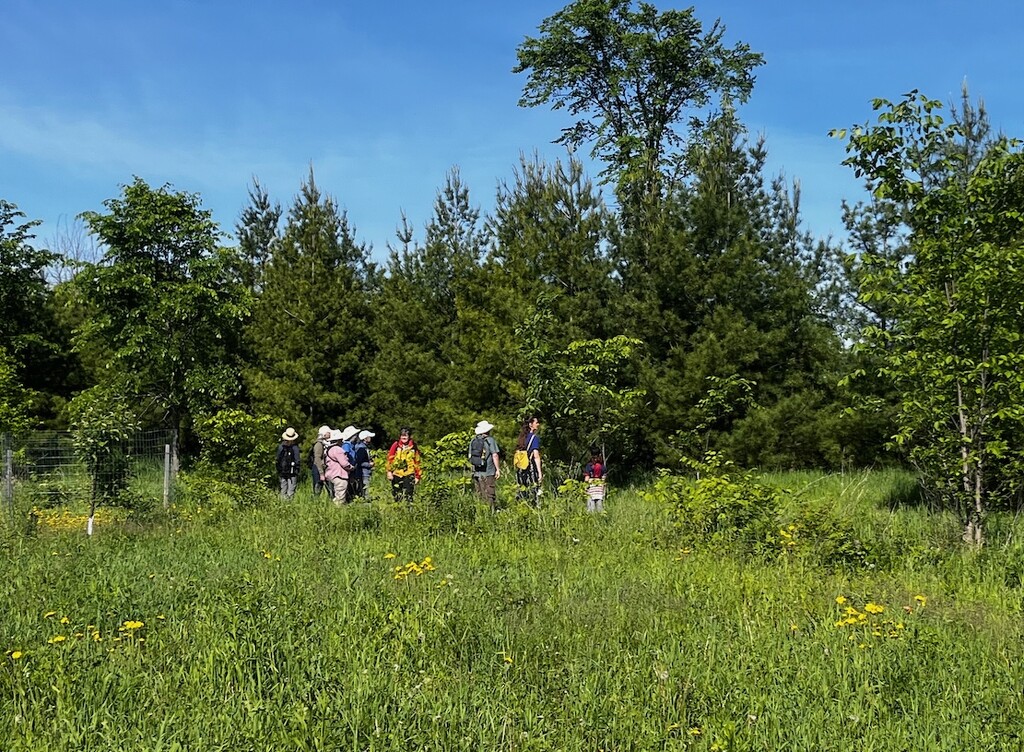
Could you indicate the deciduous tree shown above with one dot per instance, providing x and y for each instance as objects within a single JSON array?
[
  {"x": 163, "y": 304},
  {"x": 632, "y": 75},
  {"x": 953, "y": 348}
]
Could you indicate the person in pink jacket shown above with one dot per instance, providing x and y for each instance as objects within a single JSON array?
[{"x": 338, "y": 465}]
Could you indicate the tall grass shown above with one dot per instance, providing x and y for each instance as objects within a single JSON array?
[{"x": 304, "y": 626}]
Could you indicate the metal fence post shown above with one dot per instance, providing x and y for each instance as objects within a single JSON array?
[
  {"x": 9, "y": 479},
  {"x": 167, "y": 476}
]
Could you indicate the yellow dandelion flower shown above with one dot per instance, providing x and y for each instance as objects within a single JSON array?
[
  {"x": 840, "y": 599},
  {"x": 874, "y": 608},
  {"x": 56, "y": 638},
  {"x": 16, "y": 655},
  {"x": 389, "y": 556},
  {"x": 65, "y": 620},
  {"x": 922, "y": 600},
  {"x": 133, "y": 625}
]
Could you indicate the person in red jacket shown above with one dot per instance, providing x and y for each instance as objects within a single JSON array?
[{"x": 403, "y": 466}]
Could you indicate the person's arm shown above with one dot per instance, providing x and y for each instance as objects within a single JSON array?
[
  {"x": 496, "y": 459},
  {"x": 391, "y": 460},
  {"x": 535, "y": 458}
]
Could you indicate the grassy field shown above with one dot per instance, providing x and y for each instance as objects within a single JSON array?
[{"x": 303, "y": 626}]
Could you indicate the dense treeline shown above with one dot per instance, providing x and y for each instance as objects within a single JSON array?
[
  {"x": 676, "y": 307},
  {"x": 547, "y": 305}
]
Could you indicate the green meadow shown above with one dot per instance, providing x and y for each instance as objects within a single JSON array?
[{"x": 858, "y": 622}]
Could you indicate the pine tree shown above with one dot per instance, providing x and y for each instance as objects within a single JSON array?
[{"x": 310, "y": 333}]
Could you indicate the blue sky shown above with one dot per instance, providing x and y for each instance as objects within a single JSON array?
[{"x": 383, "y": 99}]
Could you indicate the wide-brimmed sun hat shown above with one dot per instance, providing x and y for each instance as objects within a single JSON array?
[
  {"x": 335, "y": 436},
  {"x": 289, "y": 435},
  {"x": 323, "y": 432},
  {"x": 483, "y": 427},
  {"x": 349, "y": 432}
]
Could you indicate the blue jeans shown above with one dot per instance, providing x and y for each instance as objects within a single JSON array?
[{"x": 319, "y": 484}]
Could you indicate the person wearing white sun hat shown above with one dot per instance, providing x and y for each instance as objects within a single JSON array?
[
  {"x": 348, "y": 444},
  {"x": 484, "y": 457},
  {"x": 338, "y": 467},
  {"x": 363, "y": 463}
]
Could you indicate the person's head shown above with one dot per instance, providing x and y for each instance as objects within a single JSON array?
[
  {"x": 289, "y": 436},
  {"x": 530, "y": 425},
  {"x": 366, "y": 436},
  {"x": 596, "y": 456},
  {"x": 323, "y": 432},
  {"x": 405, "y": 435},
  {"x": 349, "y": 433}
]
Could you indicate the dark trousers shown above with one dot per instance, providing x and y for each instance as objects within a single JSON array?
[
  {"x": 529, "y": 485},
  {"x": 319, "y": 484},
  {"x": 402, "y": 487}
]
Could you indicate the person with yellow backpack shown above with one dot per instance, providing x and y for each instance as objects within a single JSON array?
[{"x": 529, "y": 472}]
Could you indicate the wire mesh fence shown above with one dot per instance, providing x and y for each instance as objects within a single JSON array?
[{"x": 45, "y": 471}]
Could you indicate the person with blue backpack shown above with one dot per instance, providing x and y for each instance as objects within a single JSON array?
[{"x": 348, "y": 445}]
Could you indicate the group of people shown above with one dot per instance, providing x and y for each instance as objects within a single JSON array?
[
  {"x": 485, "y": 458},
  {"x": 341, "y": 462}
]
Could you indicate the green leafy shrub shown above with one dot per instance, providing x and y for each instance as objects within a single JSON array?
[
  {"x": 722, "y": 504},
  {"x": 445, "y": 469},
  {"x": 202, "y": 498},
  {"x": 814, "y": 532},
  {"x": 238, "y": 447}
]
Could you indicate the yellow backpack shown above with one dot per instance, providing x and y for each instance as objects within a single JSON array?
[{"x": 521, "y": 459}]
